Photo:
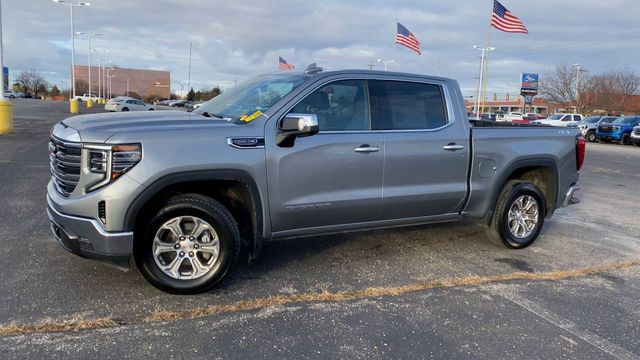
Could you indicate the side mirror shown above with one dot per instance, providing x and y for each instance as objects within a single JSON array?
[{"x": 293, "y": 126}]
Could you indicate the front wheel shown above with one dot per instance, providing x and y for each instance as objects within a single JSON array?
[
  {"x": 519, "y": 215},
  {"x": 591, "y": 136},
  {"x": 189, "y": 245},
  {"x": 125, "y": 109}
]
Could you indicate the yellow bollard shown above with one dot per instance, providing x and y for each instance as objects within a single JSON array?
[
  {"x": 89, "y": 104},
  {"x": 6, "y": 117},
  {"x": 73, "y": 106}
]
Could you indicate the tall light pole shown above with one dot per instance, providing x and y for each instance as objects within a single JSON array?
[
  {"x": 73, "y": 103},
  {"x": 6, "y": 107},
  {"x": 386, "y": 63},
  {"x": 481, "y": 84},
  {"x": 89, "y": 36},
  {"x": 578, "y": 68}
]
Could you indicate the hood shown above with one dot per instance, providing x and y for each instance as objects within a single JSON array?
[{"x": 100, "y": 127}]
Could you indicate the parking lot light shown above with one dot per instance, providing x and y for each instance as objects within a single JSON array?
[
  {"x": 6, "y": 107},
  {"x": 89, "y": 36},
  {"x": 73, "y": 103}
]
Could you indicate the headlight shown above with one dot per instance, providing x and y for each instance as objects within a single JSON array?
[
  {"x": 616, "y": 128},
  {"x": 110, "y": 162}
]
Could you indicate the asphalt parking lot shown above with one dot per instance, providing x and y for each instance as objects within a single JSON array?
[{"x": 441, "y": 291}]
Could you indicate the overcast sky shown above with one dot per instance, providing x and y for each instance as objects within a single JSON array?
[{"x": 233, "y": 40}]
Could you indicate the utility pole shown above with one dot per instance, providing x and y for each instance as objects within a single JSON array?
[
  {"x": 371, "y": 65},
  {"x": 89, "y": 36}
]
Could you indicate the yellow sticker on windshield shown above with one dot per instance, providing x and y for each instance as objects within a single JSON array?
[{"x": 248, "y": 118}]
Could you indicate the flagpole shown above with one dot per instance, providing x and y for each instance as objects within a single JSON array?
[
  {"x": 485, "y": 65},
  {"x": 393, "y": 53}
]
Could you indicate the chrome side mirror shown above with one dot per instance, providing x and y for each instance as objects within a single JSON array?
[{"x": 293, "y": 126}]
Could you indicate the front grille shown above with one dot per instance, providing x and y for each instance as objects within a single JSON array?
[
  {"x": 636, "y": 131},
  {"x": 65, "y": 162},
  {"x": 605, "y": 128}
]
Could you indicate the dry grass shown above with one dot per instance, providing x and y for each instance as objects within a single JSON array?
[
  {"x": 323, "y": 296},
  {"x": 326, "y": 296},
  {"x": 59, "y": 325}
]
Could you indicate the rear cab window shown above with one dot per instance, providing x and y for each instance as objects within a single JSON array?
[{"x": 400, "y": 105}]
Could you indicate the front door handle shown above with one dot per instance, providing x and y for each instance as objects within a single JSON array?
[
  {"x": 365, "y": 148},
  {"x": 453, "y": 147}
]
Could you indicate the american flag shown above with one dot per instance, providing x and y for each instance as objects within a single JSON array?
[
  {"x": 406, "y": 38},
  {"x": 284, "y": 65},
  {"x": 502, "y": 19}
]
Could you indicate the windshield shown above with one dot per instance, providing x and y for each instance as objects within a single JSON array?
[
  {"x": 592, "y": 119},
  {"x": 249, "y": 99},
  {"x": 556, "y": 116},
  {"x": 625, "y": 120}
]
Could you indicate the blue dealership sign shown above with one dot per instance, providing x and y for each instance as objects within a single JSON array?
[{"x": 529, "y": 83}]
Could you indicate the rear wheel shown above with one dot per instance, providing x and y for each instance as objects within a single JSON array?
[
  {"x": 125, "y": 109},
  {"x": 591, "y": 136},
  {"x": 189, "y": 245},
  {"x": 625, "y": 139},
  {"x": 519, "y": 215}
]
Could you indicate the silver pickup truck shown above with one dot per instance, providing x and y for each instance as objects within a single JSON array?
[{"x": 297, "y": 154}]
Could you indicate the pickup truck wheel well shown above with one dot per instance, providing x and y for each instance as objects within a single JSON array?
[
  {"x": 543, "y": 177},
  {"x": 235, "y": 195}
]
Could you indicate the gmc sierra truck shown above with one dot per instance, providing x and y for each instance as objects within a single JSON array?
[{"x": 291, "y": 155}]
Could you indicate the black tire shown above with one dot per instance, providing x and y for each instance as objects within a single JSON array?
[
  {"x": 206, "y": 209},
  {"x": 591, "y": 136},
  {"x": 79, "y": 100},
  {"x": 625, "y": 140},
  {"x": 125, "y": 109},
  {"x": 499, "y": 232},
  {"x": 151, "y": 109}
]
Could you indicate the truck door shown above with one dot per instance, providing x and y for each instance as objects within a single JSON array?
[
  {"x": 335, "y": 176},
  {"x": 426, "y": 149}
]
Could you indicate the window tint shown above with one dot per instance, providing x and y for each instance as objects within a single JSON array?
[
  {"x": 577, "y": 118},
  {"x": 566, "y": 118},
  {"x": 340, "y": 105},
  {"x": 406, "y": 105}
]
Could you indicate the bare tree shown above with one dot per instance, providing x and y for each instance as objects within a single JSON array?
[
  {"x": 560, "y": 85},
  {"x": 611, "y": 90},
  {"x": 32, "y": 81},
  {"x": 627, "y": 82}
]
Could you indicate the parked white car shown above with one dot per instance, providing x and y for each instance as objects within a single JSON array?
[
  {"x": 128, "y": 105},
  {"x": 10, "y": 94},
  {"x": 86, "y": 97},
  {"x": 511, "y": 116},
  {"x": 561, "y": 120}
]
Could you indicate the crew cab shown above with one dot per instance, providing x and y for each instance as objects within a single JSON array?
[
  {"x": 619, "y": 130},
  {"x": 297, "y": 154}
]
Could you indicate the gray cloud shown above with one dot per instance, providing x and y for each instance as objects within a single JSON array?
[{"x": 235, "y": 40}]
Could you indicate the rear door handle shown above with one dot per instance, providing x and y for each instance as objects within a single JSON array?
[
  {"x": 453, "y": 147},
  {"x": 365, "y": 148}
]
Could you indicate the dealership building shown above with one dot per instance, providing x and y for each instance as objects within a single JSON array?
[{"x": 143, "y": 82}]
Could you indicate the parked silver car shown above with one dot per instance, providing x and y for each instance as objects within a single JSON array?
[
  {"x": 589, "y": 126},
  {"x": 128, "y": 105}
]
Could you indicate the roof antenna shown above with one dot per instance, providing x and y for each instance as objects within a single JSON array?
[{"x": 312, "y": 69}]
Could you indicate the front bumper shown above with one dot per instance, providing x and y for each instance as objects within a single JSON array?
[
  {"x": 608, "y": 136},
  {"x": 87, "y": 238}
]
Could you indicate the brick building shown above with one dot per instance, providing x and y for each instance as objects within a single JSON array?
[
  {"x": 540, "y": 105},
  {"x": 143, "y": 82}
]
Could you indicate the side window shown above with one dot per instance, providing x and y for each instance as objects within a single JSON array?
[
  {"x": 129, "y": 101},
  {"x": 407, "y": 105},
  {"x": 138, "y": 102},
  {"x": 340, "y": 105},
  {"x": 577, "y": 118},
  {"x": 566, "y": 118}
]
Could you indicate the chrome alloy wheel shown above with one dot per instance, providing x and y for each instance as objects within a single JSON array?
[
  {"x": 186, "y": 247},
  {"x": 523, "y": 216}
]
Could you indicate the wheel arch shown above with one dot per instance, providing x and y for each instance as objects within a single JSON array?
[
  {"x": 235, "y": 189},
  {"x": 542, "y": 172}
]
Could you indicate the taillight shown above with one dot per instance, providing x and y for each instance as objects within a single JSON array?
[{"x": 581, "y": 149}]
